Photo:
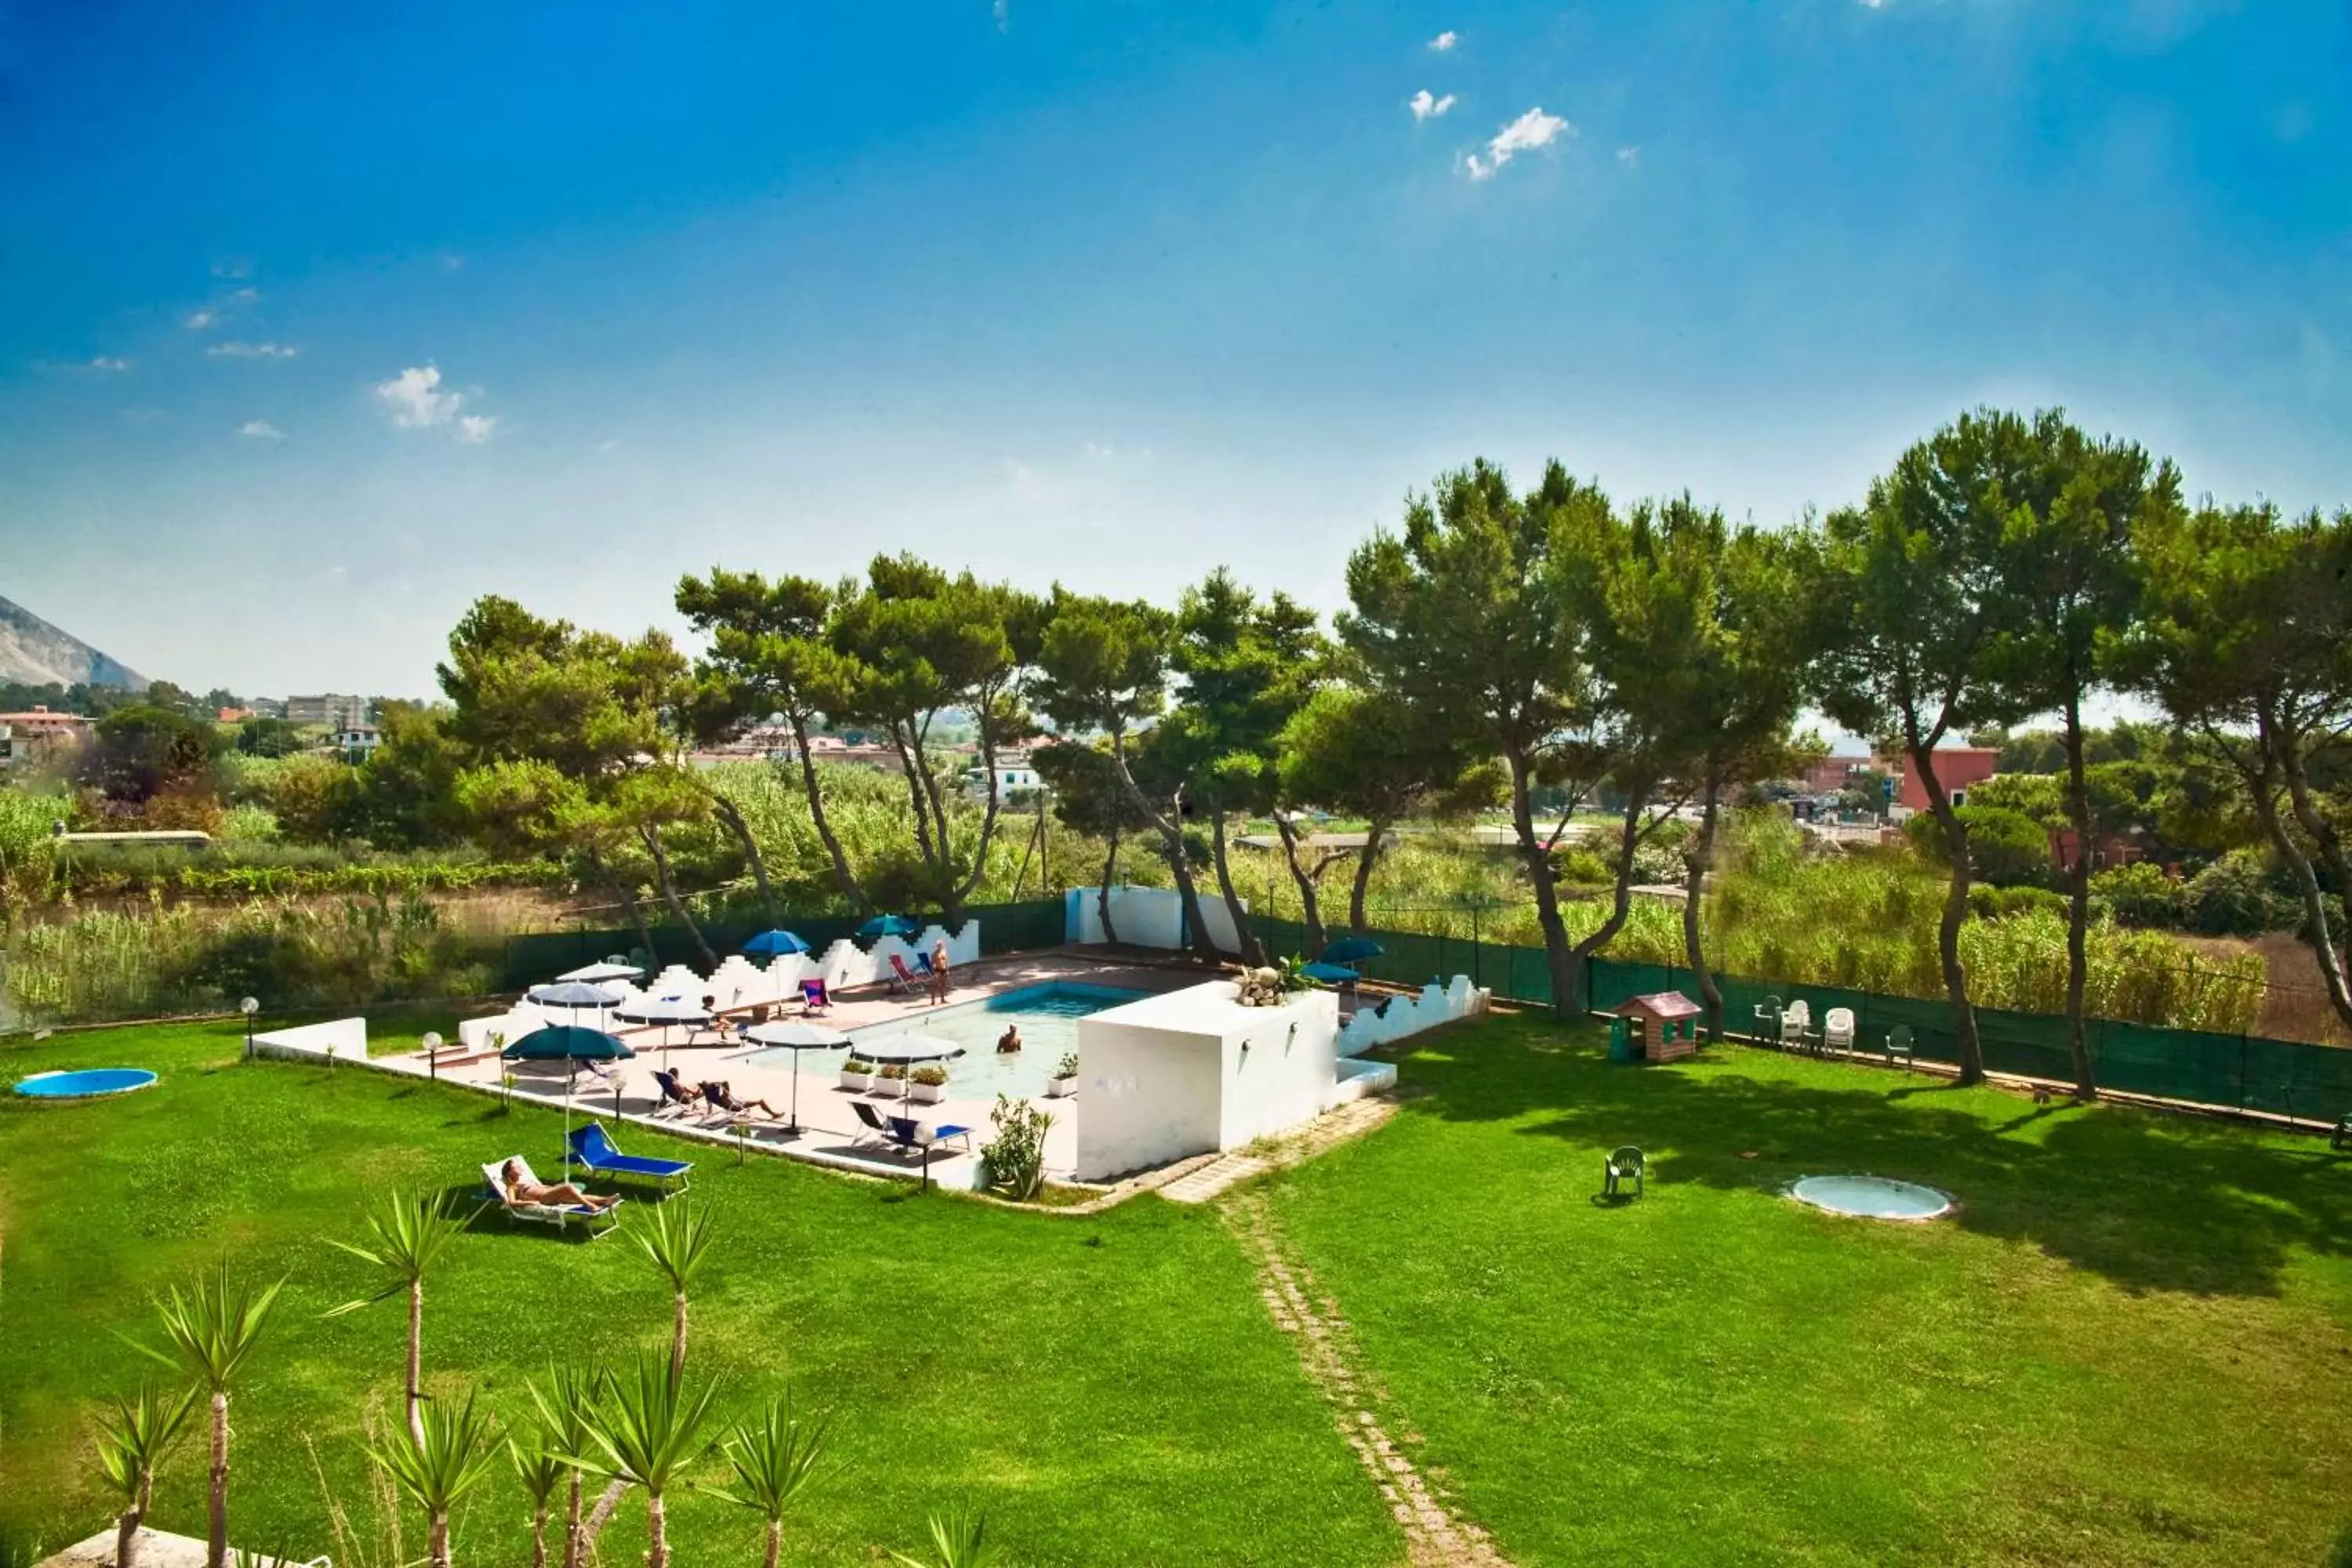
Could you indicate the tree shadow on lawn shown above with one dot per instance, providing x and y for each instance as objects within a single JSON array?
[{"x": 2151, "y": 1201}]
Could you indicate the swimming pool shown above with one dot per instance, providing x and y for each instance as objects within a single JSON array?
[
  {"x": 1047, "y": 1016},
  {"x": 87, "y": 1083}
]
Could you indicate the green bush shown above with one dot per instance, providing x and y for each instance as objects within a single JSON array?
[
  {"x": 2234, "y": 897},
  {"x": 1992, "y": 903},
  {"x": 2141, "y": 895},
  {"x": 2005, "y": 846}
]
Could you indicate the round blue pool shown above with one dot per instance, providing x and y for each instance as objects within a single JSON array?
[
  {"x": 1872, "y": 1197},
  {"x": 89, "y": 1083}
]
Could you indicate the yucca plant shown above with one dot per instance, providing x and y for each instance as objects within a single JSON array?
[
  {"x": 436, "y": 1467},
  {"x": 542, "y": 1473},
  {"x": 676, "y": 1239},
  {"x": 412, "y": 1233},
  {"x": 132, "y": 1439},
  {"x": 959, "y": 1540},
  {"x": 773, "y": 1460},
  {"x": 567, "y": 1413},
  {"x": 648, "y": 1428},
  {"x": 209, "y": 1333}
]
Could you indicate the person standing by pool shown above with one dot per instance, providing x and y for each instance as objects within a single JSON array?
[{"x": 939, "y": 972}]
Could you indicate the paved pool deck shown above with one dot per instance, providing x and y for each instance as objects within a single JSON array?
[{"x": 830, "y": 1131}]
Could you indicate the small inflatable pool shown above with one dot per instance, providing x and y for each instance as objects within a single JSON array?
[
  {"x": 1872, "y": 1197},
  {"x": 89, "y": 1083}
]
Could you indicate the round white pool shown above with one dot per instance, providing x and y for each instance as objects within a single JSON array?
[{"x": 1872, "y": 1197}]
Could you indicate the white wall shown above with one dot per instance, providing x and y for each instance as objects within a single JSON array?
[
  {"x": 1147, "y": 917},
  {"x": 1411, "y": 1014},
  {"x": 1193, "y": 1071},
  {"x": 344, "y": 1037}
]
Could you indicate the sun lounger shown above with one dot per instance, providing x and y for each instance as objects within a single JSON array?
[
  {"x": 909, "y": 1133},
  {"x": 902, "y": 979},
  {"x": 675, "y": 1098},
  {"x": 814, "y": 998},
  {"x": 591, "y": 1149},
  {"x": 562, "y": 1216}
]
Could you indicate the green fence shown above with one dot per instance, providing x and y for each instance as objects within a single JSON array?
[
  {"x": 533, "y": 960},
  {"x": 2290, "y": 1078}
]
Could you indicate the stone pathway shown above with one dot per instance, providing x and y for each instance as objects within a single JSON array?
[
  {"x": 1434, "y": 1537},
  {"x": 1353, "y": 1120}
]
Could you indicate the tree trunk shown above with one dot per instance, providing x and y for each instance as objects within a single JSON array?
[
  {"x": 1180, "y": 863},
  {"x": 599, "y": 1516},
  {"x": 1310, "y": 908},
  {"x": 1252, "y": 952},
  {"x": 2315, "y": 934},
  {"x": 678, "y": 1340},
  {"x": 1967, "y": 1046},
  {"x": 657, "y": 1532},
  {"x": 217, "y": 1511},
  {"x": 1566, "y": 987},
  {"x": 775, "y": 1543},
  {"x": 416, "y": 1360},
  {"x": 628, "y": 898},
  {"x": 572, "y": 1545},
  {"x": 2325, "y": 946},
  {"x": 437, "y": 1541},
  {"x": 842, "y": 874},
  {"x": 959, "y": 892},
  {"x": 1697, "y": 860},
  {"x": 539, "y": 1537},
  {"x": 1102, "y": 894},
  {"x": 126, "y": 1539},
  {"x": 1630, "y": 834},
  {"x": 1359, "y": 895},
  {"x": 731, "y": 817},
  {"x": 652, "y": 835},
  {"x": 2078, "y": 901}
]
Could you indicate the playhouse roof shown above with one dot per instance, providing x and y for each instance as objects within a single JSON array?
[{"x": 1661, "y": 1004}]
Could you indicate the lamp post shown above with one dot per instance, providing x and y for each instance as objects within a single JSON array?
[
  {"x": 431, "y": 1044},
  {"x": 249, "y": 1006}
]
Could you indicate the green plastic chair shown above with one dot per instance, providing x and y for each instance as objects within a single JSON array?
[
  {"x": 1899, "y": 1045},
  {"x": 1768, "y": 1019},
  {"x": 1622, "y": 1165},
  {"x": 2342, "y": 1138}
]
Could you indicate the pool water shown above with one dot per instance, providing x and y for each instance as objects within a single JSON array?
[
  {"x": 1872, "y": 1197},
  {"x": 1047, "y": 1016},
  {"x": 86, "y": 1084}
]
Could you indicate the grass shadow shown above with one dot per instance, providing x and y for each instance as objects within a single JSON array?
[{"x": 2151, "y": 1202}]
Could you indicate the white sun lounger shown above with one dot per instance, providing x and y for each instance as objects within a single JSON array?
[{"x": 562, "y": 1216}]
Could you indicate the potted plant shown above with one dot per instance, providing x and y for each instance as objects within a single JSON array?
[
  {"x": 857, "y": 1074},
  {"x": 1065, "y": 1081},
  {"x": 890, "y": 1079},
  {"x": 928, "y": 1084}
]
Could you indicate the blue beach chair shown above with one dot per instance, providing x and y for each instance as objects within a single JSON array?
[{"x": 591, "y": 1149}]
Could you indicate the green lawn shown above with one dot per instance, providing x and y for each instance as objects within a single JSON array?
[
  {"x": 2134, "y": 1344},
  {"x": 1109, "y": 1389}
]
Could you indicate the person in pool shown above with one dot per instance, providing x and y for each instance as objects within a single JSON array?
[
  {"x": 519, "y": 1191},
  {"x": 1009, "y": 1042}
]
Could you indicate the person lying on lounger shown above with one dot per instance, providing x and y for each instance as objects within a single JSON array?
[
  {"x": 519, "y": 1191},
  {"x": 720, "y": 1094}
]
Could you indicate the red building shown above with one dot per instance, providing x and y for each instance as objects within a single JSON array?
[{"x": 1958, "y": 768}]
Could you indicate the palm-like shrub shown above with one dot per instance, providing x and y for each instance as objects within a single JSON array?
[
  {"x": 567, "y": 1414},
  {"x": 452, "y": 1453},
  {"x": 411, "y": 1235},
  {"x": 677, "y": 1240},
  {"x": 132, "y": 1439},
  {"x": 541, "y": 1472},
  {"x": 648, "y": 1428},
  {"x": 959, "y": 1540},
  {"x": 209, "y": 1333},
  {"x": 773, "y": 1460}
]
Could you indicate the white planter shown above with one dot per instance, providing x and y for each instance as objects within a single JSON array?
[
  {"x": 856, "y": 1082},
  {"x": 896, "y": 1087},
  {"x": 1061, "y": 1087},
  {"x": 927, "y": 1093}
]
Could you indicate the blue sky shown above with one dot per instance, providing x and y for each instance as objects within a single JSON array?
[{"x": 321, "y": 323}]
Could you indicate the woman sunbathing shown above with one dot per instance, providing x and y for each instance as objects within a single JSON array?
[
  {"x": 521, "y": 1191},
  {"x": 720, "y": 1094}
]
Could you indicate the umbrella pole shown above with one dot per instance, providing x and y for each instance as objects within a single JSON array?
[{"x": 794, "y": 1130}]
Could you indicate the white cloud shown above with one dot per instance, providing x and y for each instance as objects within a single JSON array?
[
  {"x": 252, "y": 350},
  {"x": 1102, "y": 449},
  {"x": 475, "y": 430},
  {"x": 104, "y": 363},
  {"x": 1872, "y": 5},
  {"x": 233, "y": 268},
  {"x": 243, "y": 295},
  {"x": 261, "y": 430},
  {"x": 1629, "y": 156},
  {"x": 1445, "y": 40},
  {"x": 1424, "y": 107},
  {"x": 199, "y": 320},
  {"x": 1532, "y": 130},
  {"x": 414, "y": 399},
  {"x": 1003, "y": 11}
]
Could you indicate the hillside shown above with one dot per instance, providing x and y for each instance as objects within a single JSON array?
[{"x": 36, "y": 653}]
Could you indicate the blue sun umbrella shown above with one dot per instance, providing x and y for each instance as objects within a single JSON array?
[
  {"x": 1330, "y": 974},
  {"x": 774, "y": 944},
  {"x": 1352, "y": 950},
  {"x": 889, "y": 925},
  {"x": 570, "y": 1043}
]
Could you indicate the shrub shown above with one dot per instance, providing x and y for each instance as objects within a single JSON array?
[
  {"x": 857, "y": 1063},
  {"x": 1987, "y": 902},
  {"x": 1068, "y": 1066},
  {"x": 2232, "y": 897},
  {"x": 1014, "y": 1159},
  {"x": 2141, "y": 895},
  {"x": 931, "y": 1074},
  {"x": 892, "y": 1071},
  {"x": 2005, "y": 846}
]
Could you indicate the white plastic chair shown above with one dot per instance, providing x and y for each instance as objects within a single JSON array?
[{"x": 1837, "y": 1029}]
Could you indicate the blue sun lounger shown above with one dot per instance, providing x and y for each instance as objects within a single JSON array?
[{"x": 591, "y": 1149}]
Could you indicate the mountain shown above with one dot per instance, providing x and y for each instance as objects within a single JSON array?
[{"x": 36, "y": 653}]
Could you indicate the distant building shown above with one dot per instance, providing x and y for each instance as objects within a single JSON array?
[
  {"x": 25, "y": 735},
  {"x": 1831, "y": 775},
  {"x": 360, "y": 739},
  {"x": 334, "y": 709},
  {"x": 1013, "y": 772},
  {"x": 1959, "y": 769}
]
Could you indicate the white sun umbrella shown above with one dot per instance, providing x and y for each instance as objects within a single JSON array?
[
  {"x": 907, "y": 1050},
  {"x": 573, "y": 995},
  {"x": 603, "y": 970},
  {"x": 664, "y": 1011},
  {"x": 796, "y": 1038}
]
